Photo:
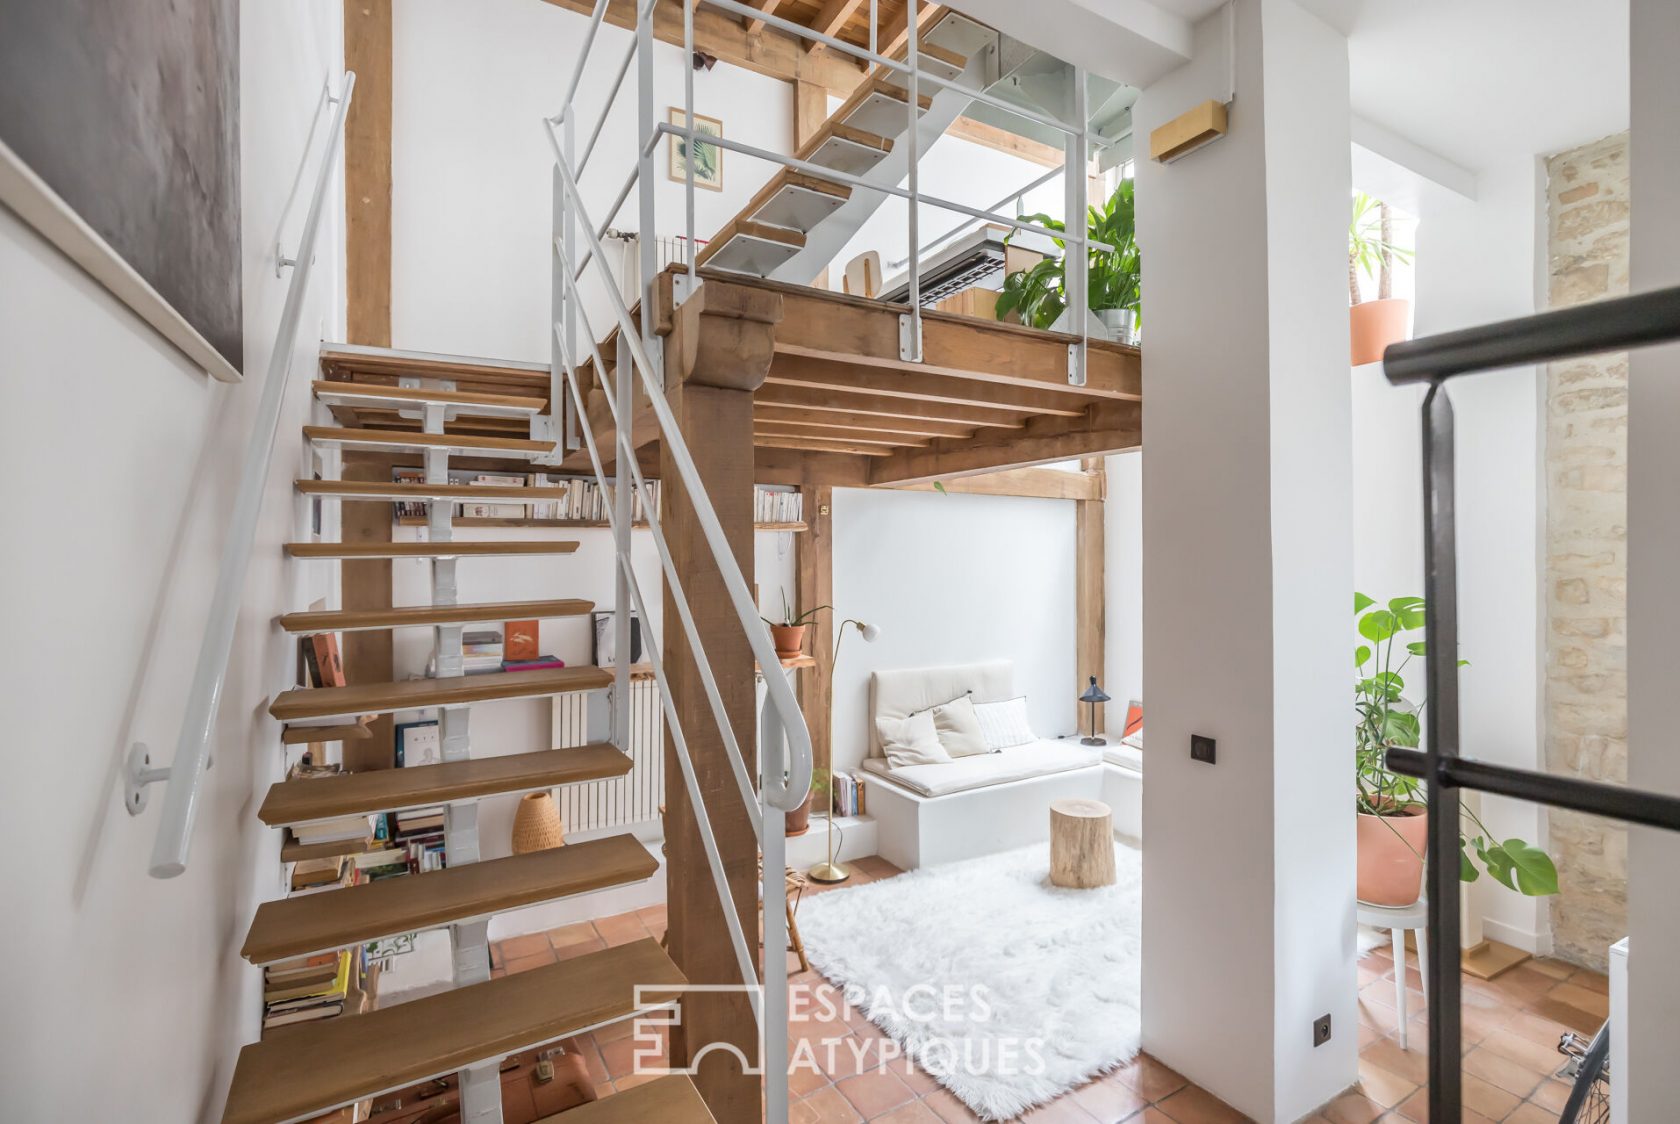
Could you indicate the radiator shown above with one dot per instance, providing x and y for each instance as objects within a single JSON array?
[{"x": 632, "y": 799}]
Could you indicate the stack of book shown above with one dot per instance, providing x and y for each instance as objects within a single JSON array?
[
  {"x": 319, "y": 664},
  {"x": 418, "y": 835},
  {"x": 310, "y": 875},
  {"x": 481, "y": 651},
  {"x": 848, "y": 795},
  {"x": 771, "y": 505},
  {"x": 337, "y": 830},
  {"x": 499, "y": 509},
  {"x": 307, "y": 988}
]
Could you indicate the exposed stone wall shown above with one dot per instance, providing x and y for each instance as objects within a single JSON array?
[{"x": 1586, "y": 549}]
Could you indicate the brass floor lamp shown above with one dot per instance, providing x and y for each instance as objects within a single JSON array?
[{"x": 831, "y": 871}]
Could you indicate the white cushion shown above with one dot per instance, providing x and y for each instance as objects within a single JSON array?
[
  {"x": 959, "y": 730},
  {"x": 1004, "y": 724},
  {"x": 898, "y": 693},
  {"x": 911, "y": 741},
  {"x": 1017, "y": 763}
]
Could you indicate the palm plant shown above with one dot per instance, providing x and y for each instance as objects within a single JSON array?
[
  {"x": 1371, "y": 247},
  {"x": 1039, "y": 294}
]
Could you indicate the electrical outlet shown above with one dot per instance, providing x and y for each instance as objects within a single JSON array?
[
  {"x": 1202, "y": 748},
  {"x": 1321, "y": 1030}
]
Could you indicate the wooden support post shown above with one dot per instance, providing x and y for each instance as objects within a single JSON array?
[
  {"x": 367, "y": 173},
  {"x": 814, "y": 558},
  {"x": 1090, "y": 603},
  {"x": 366, "y": 584},
  {"x": 716, "y": 355}
]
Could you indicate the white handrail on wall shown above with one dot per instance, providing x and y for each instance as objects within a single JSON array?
[{"x": 192, "y": 746}]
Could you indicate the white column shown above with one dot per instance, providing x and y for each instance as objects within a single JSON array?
[
  {"x": 1248, "y": 570},
  {"x": 1652, "y": 1081}
]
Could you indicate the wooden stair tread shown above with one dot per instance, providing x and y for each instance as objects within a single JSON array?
[
  {"x": 408, "y": 694},
  {"x": 334, "y": 620},
  {"x": 420, "y": 786},
  {"x": 667, "y": 1100},
  {"x": 344, "y": 732},
  {"x": 334, "y": 919},
  {"x": 379, "y": 490},
  {"x": 371, "y": 365},
  {"x": 339, "y": 1061},
  {"x": 410, "y": 439},
  {"x": 481, "y": 403},
  {"x": 292, "y": 851},
  {"x": 427, "y": 549},
  {"x": 734, "y": 248}
]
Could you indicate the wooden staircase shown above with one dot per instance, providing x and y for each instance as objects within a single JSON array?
[{"x": 300, "y": 1072}]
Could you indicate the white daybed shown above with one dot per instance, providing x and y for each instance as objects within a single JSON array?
[{"x": 929, "y": 814}]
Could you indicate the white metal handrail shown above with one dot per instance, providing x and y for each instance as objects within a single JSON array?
[{"x": 185, "y": 772}]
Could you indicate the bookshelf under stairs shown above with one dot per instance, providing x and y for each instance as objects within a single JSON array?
[{"x": 336, "y": 1064}]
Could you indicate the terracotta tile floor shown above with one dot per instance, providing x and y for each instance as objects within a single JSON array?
[{"x": 1511, "y": 1028}]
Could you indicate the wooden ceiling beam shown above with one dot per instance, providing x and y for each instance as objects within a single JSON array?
[
  {"x": 830, "y": 19},
  {"x": 1033, "y": 483},
  {"x": 822, "y": 433},
  {"x": 798, "y": 466},
  {"x": 815, "y": 398},
  {"x": 768, "y": 51},
  {"x": 768, "y": 7},
  {"x": 820, "y": 445},
  {"x": 1110, "y": 427},
  {"x": 894, "y": 35},
  {"x": 841, "y": 421},
  {"x": 839, "y": 380}
]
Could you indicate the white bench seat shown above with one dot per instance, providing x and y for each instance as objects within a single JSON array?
[{"x": 1017, "y": 763}]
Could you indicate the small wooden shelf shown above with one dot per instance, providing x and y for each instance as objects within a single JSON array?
[{"x": 479, "y": 521}]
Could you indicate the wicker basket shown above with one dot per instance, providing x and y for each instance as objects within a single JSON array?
[{"x": 536, "y": 826}]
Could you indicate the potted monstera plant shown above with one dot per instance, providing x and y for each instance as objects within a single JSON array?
[
  {"x": 1393, "y": 821},
  {"x": 1038, "y": 295}
]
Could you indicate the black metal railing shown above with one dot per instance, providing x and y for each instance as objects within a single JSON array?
[{"x": 1613, "y": 325}]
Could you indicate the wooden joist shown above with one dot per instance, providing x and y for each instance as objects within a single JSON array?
[
  {"x": 336, "y": 437},
  {"x": 339, "y": 1061},
  {"x": 307, "y": 735},
  {"x": 308, "y": 799},
  {"x": 350, "y": 620},
  {"x": 815, "y": 399},
  {"x": 478, "y": 403},
  {"x": 323, "y": 922},
  {"x": 1108, "y": 428},
  {"x": 840, "y": 381},
  {"x": 820, "y": 445},
  {"x": 428, "y": 549},
  {"x": 857, "y": 436},
  {"x": 408, "y": 694},
  {"x": 667, "y": 1100},
  {"x": 838, "y": 422},
  {"x": 380, "y": 490}
]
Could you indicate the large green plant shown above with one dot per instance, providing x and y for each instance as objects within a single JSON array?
[
  {"x": 1384, "y": 717},
  {"x": 1039, "y": 294}
]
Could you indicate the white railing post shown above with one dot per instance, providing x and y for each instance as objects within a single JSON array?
[
  {"x": 185, "y": 772},
  {"x": 623, "y": 390},
  {"x": 647, "y": 241},
  {"x": 774, "y": 1051},
  {"x": 1077, "y": 246},
  {"x": 688, "y": 123},
  {"x": 910, "y": 343}
]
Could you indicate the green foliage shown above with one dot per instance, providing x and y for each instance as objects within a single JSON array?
[
  {"x": 1384, "y": 717},
  {"x": 1114, "y": 276},
  {"x": 789, "y": 619},
  {"x": 1369, "y": 248}
]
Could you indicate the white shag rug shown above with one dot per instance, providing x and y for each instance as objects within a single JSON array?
[{"x": 1046, "y": 979}]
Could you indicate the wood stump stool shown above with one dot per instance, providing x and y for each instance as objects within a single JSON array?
[{"x": 1081, "y": 844}]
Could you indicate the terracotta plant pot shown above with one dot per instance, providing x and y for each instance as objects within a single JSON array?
[
  {"x": 536, "y": 824},
  {"x": 799, "y": 820},
  {"x": 789, "y": 638},
  {"x": 1391, "y": 852},
  {"x": 1373, "y": 325}
]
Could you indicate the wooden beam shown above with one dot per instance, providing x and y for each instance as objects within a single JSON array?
[
  {"x": 369, "y": 657},
  {"x": 367, "y": 174},
  {"x": 820, "y": 399},
  {"x": 799, "y": 467},
  {"x": 1002, "y": 140},
  {"x": 810, "y": 110},
  {"x": 716, "y": 412},
  {"x": 762, "y": 428},
  {"x": 839, "y": 380},
  {"x": 767, "y": 51},
  {"x": 1110, "y": 427},
  {"x": 814, "y": 563},
  {"x": 1032, "y": 483},
  {"x": 830, "y": 19},
  {"x": 895, "y": 33},
  {"x": 840, "y": 422},
  {"x": 820, "y": 445},
  {"x": 1090, "y": 605},
  {"x": 768, "y": 7}
]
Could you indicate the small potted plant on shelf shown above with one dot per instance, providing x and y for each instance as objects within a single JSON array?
[
  {"x": 1039, "y": 294},
  {"x": 789, "y": 635},
  {"x": 1393, "y": 819},
  {"x": 1374, "y": 324}
]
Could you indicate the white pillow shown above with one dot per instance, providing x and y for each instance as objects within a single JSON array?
[
  {"x": 959, "y": 729},
  {"x": 911, "y": 741},
  {"x": 1004, "y": 724}
]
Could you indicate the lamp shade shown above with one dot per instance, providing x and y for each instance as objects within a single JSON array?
[
  {"x": 870, "y": 632},
  {"x": 1093, "y": 693},
  {"x": 536, "y": 824}
]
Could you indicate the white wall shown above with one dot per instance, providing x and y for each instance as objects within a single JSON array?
[
  {"x": 954, "y": 579},
  {"x": 106, "y": 578},
  {"x": 471, "y": 171},
  {"x": 1652, "y": 1081},
  {"x": 1123, "y": 586},
  {"x": 1247, "y": 557},
  {"x": 1476, "y": 262}
]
